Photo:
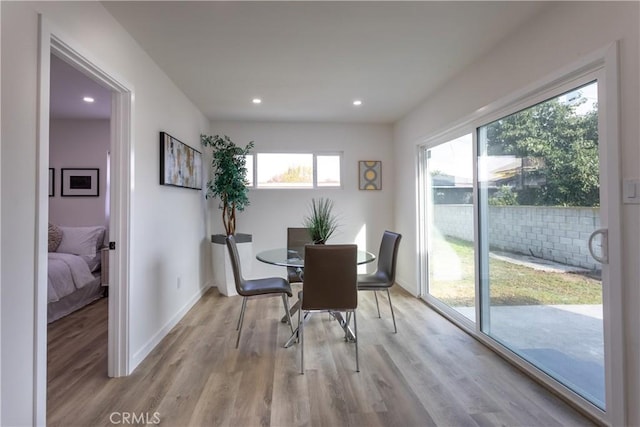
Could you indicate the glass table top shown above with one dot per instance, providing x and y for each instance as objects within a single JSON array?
[{"x": 292, "y": 258}]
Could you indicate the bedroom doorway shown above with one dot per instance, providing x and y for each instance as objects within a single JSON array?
[
  {"x": 120, "y": 173},
  {"x": 120, "y": 158},
  {"x": 79, "y": 189},
  {"x": 79, "y": 211}
]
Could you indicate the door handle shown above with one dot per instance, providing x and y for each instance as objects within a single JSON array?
[{"x": 604, "y": 259}]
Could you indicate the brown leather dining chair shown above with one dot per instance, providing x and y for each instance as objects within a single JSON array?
[
  {"x": 248, "y": 288},
  {"x": 385, "y": 275},
  {"x": 330, "y": 284}
]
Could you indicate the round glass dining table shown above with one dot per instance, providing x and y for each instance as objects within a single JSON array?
[{"x": 292, "y": 258}]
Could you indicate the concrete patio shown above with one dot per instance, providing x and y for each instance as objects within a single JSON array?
[{"x": 565, "y": 341}]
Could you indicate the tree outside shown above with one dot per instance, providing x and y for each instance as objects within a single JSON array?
[
  {"x": 557, "y": 145},
  {"x": 294, "y": 174}
]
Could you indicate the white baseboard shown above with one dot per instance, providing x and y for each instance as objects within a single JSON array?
[
  {"x": 411, "y": 289},
  {"x": 141, "y": 354}
]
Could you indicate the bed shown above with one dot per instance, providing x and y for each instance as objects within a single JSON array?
[{"x": 74, "y": 269}]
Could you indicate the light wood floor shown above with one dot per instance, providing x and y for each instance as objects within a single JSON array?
[{"x": 430, "y": 373}]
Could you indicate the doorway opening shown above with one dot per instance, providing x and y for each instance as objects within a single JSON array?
[
  {"x": 78, "y": 225},
  {"x": 116, "y": 219}
]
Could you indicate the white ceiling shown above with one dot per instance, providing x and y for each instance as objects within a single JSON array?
[
  {"x": 68, "y": 87},
  {"x": 308, "y": 61}
]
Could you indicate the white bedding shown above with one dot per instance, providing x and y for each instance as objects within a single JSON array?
[{"x": 67, "y": 273}]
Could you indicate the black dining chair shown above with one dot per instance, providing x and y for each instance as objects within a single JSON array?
[
  {"x": 385, "y": 275},
  {"x": 297, "y": 238},
  {"x": 330, "y": 284},
  {"x": 256, "y": 287}
]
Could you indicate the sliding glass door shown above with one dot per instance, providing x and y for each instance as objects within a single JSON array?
[
  {"x": 539, "y": 198},
  {"x": 511, "y": 235},
  {"x": 451, "y": 253}
]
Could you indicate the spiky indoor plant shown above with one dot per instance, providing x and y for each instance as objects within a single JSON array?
[
  {"x": 321, "y": 221},
  {"x": 229, "y": 182}
]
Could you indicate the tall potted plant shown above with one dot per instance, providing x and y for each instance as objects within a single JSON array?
[{"x": 228, "y": 183}]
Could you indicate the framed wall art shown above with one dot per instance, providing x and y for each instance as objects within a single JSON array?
[
  {"x": 76, "y": 182},
  {"x": 180, "y": 165},
  {"x": 370, "y": 175},
  {"x": 52, "y": 182}
]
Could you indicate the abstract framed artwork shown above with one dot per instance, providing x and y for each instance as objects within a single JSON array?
[
  {"x": 52, "y": 182},
  {"x": 370, "y": 175},
  {"x": 77, "y": 182},
  {"x": 180, "y": 165}
]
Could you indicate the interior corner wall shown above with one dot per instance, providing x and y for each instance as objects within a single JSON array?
[
  {"x": 363, "y": 215},
  {"x": 167, "y": 224},
  {"x": 79, "y": 144},
  {"x": 561, "y": 34},
  {"x": 18, "y": 252},
  {"x": 0, "y": 222}
]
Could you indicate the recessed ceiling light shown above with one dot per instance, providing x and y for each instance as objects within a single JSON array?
[
  {"x": 357, "y": 102},
  {"x": 88, "y": 99},
  {"x": 257, "y": 101}
]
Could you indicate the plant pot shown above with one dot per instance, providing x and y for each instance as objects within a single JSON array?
[{"x": 222, "y": 271}]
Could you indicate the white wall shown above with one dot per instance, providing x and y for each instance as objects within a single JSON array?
[
  {"x": 1, "y": 38},
  {"x": 273, "y": 210},
  {"x": 557, "y": 37},
  {"x": 78, "y": 144},
  {"x": 168, "y": 224}
]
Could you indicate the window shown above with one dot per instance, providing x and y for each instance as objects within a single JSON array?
[
  {"x": 285, "y": 170},
  {"x": 328, "y": 170},
  {"x": 296, "y": 170},
  {"x": 250, "y": 170}
]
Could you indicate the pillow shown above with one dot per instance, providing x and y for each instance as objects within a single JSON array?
[
  {"x": 81, "y": 240},
  {"x": 55, "y": 237},
  {"x": 85, "y": 242}
]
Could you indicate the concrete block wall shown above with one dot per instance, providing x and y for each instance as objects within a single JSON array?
[{"x": 554, "y": 233}]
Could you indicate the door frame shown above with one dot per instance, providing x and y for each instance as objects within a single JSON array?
[
  {"x": 52, "y": 40},
  {"x": 603, "y": 63}
]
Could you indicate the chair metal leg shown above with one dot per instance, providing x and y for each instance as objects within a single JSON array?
[
  {"x": 241, "y": 312},
  {"x": 301, "y": 337},
  {"x": 395, "y": 329},
  {"x": 301, "y": 316},
  {"x": 347, "y": 320},
  {"x": 375, "y": 294},
  {"x": 241, "y": 319},
  {"x": 292, "y": 309},
  {"x": 355, "y": 331},
  {"x": 286, "y": 309}
]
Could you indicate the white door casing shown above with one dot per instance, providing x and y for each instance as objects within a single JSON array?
[{"x": 52, "y": 40}]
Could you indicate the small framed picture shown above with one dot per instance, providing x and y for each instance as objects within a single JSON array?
[
  {"x": 52, "y": 182},
  {"x": 77, "y": 182},
  {"x": 370, "y": 175}
]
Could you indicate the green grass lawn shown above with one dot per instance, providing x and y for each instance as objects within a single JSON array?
[{"x": 510, "y": 284}]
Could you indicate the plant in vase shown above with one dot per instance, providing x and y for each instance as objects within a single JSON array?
[
  {"x": 229, "y": 182},
  {"x": 321, "y": 221}
]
